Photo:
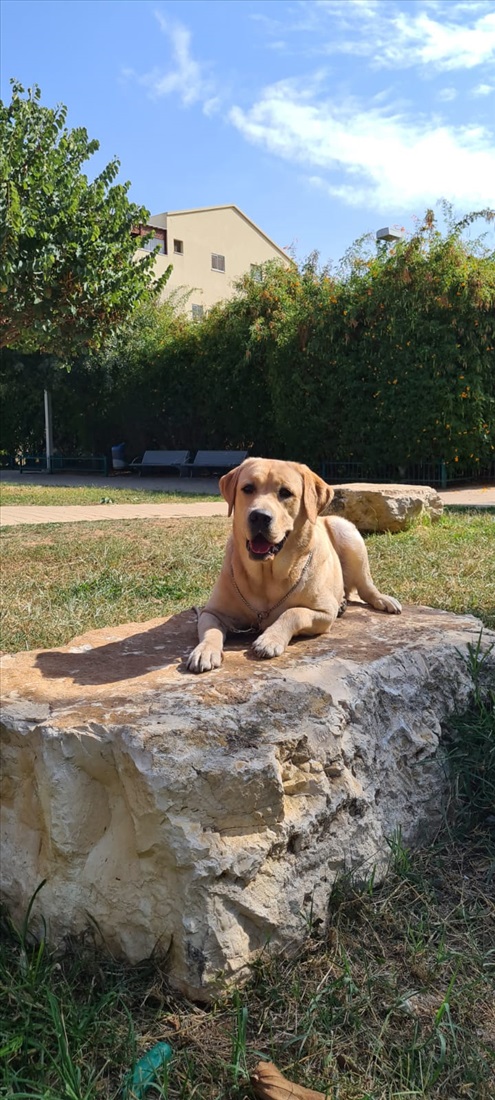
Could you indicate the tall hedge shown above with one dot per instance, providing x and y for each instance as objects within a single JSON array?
[{"x": 388, "y": 360}]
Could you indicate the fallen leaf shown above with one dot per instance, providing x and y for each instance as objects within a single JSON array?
[{"x": 269, "y": 1084}]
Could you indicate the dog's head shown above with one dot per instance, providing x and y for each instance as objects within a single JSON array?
[{"x": 272, "y": 499}]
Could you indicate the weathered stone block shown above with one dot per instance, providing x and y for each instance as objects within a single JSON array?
[
  {"x": 384, "y": 507},
  {"x": 208, "y": 816}
]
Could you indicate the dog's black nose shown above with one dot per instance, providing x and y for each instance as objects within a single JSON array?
[{"x": 259, "y": 519}]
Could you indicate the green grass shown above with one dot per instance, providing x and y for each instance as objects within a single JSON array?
[
  {"x": 396, "y": 999},
  {"x": 92, "y": 494},
  {"x": 61, "y": 580},
  {"x": 471, "y": 750},
  {"x": 449, "y": 564}
]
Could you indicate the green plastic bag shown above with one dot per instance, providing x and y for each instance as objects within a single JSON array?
[{"x": 145, "y": 1071}]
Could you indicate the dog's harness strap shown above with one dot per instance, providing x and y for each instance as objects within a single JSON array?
[{"x": 262, "y": 615}]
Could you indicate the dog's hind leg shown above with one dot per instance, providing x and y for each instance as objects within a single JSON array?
[{"x": 351, "y": 549}]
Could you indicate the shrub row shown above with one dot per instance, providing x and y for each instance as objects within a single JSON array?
[{"x": 389, "y": 359}]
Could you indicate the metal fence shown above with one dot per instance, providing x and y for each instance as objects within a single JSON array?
[
  {"x": 89, "y": 464},
  {"x": 422, "y": 473},
  {"x": 434, "y": 473}
]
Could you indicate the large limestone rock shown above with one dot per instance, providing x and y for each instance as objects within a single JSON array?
[
  {"x": 209, "y": 816},
  {"x": 385, "y": 507}
]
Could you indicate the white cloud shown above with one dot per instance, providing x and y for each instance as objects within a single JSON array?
[
  {"x": 439, "y": 34},
  {"x": 483, "y": 89},
  {"x": 441, "y": 44},
  {"x": 345, "y": 10},
  {"x": 460, "y": 6},
  {"x": 185, "y": 77},
  {"x": 368, "y": 156},
  {"x": 211, "y": 106}
]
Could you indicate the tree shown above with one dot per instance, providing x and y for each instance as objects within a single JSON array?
[{"x": 68, "y": 272}]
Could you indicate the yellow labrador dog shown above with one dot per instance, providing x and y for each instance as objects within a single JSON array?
[{"x": 287, "y": 570}]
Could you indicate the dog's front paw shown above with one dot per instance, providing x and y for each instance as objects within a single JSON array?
[
  {"x": 268, "y": 646},
  {"x": 389, "y": 604},
  {"x": 204, "y": 658}
]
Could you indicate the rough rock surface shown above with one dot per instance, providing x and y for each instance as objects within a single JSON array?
[
  {"x": 208, "y": 816},
  {"x": 384, "y": 507}
]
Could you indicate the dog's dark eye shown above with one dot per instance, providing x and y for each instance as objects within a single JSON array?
[
  {"x": 248, "y": 489},
  {"x": 284, "y": 494}
]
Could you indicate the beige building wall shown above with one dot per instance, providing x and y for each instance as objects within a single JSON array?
[{"x": 222, "y": 231}]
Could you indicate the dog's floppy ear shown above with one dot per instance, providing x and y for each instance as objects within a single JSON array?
[
  {"x": 228, "y": 487},
  {"x": 317, "y": 494}
]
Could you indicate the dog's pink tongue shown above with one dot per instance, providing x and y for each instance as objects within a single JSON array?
[{"x": 260, "y": 545}]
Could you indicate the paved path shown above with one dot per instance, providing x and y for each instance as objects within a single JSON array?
[
  {"x": 469, "y": 498},
  {"x": 13, "y": 515}
]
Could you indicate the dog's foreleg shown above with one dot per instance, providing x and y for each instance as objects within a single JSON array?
[
  {"x": 208, "y": 654},
  {"x": 296, "y": 620}
]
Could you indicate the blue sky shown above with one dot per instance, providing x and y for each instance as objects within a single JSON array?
[{"x": 321, "y": 119}]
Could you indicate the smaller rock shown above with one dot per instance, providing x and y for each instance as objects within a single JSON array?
[{"x": 384, "y": 507}]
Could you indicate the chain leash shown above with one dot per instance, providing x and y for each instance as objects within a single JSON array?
[{"x": 262, "y": 615}]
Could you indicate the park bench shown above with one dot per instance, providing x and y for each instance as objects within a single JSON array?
[
  {"x": 159, "y": 460},
  {"x": 214, "y": 462}
]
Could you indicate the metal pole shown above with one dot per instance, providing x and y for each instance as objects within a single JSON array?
[{"x": 48, "y": 431}]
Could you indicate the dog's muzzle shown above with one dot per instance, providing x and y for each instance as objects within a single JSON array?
[{"x": 260, "y": 547}]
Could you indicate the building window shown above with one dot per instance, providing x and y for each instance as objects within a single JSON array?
[
  {"x": 257, "y": 273},
  {"x": 217, "y": 262},
  {"x": 197, "y": 312},
  {"x": 179, "y": 247},
  {"x": 154, "y": 244},
  {"x": 158, "y": 241}
]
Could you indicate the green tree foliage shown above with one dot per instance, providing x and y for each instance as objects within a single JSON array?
[
  {"x": 67, "y": 270},
  {"x": 418, "y": 322}
]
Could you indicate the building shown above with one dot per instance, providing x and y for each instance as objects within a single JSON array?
[{"x": 210, "y": 249}]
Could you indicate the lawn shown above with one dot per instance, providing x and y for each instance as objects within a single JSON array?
[
  {"x": 60, "y": 581},
  {"x": 395, "y": 999},
  {"x": 92, "y": 494}
]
